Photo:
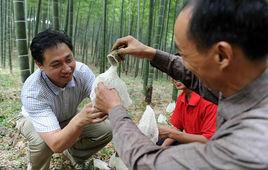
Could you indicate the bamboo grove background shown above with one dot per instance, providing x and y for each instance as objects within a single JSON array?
[{"x": 93, "y": 25}]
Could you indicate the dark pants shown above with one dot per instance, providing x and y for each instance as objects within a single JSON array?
[{"x": 161, "y": 141}]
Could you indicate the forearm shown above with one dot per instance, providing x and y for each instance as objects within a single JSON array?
[
  {"x": 138, "y": 152},
  {"x": 170, "y": 64},
  {"x": 128, "y": 140},
  {"x": 64, "y": 138},
  {"x": 149, "y": 53},
  {"x": 183, "y": 137},
  {"x": 168, "y": 142}
]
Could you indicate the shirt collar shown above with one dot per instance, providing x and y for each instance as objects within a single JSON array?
[
  {"x": 193, "y": 101},
  {"x": 54, "y": 88},
  {"x": 245, "y": 99}
]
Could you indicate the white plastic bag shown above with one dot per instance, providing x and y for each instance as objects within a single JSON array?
[
  {"x": 170, "y": 107},
  {"x": 148, "y": 125},
  {"x": 111, "y": 79},
  {"x": 162, "y": 119},
  {"x": 99, "y": 164},
  {"x": 117, "y": 163}
]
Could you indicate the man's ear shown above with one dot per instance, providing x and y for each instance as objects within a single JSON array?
[
  {"x": 39, "y": 64},
  {"x": 225, "y": 54}
]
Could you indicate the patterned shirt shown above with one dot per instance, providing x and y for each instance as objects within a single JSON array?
[
  {"x": 240, "y": 142},
  {"x": 47, "y": 105}
]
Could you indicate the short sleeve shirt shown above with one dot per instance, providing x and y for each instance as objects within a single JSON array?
[
  {"x": 47, "y": 105},
  {"x": 196, "y": 116}
]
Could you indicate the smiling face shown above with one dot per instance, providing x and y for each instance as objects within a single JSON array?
[
  {"x": 59, "y": 64},
  {"x": 205, "y": 64}
]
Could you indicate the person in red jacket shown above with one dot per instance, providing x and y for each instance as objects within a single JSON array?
[{"x": 193, "y": 120}]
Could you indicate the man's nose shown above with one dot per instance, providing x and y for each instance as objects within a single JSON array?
[{"x": 66, "y": 68}]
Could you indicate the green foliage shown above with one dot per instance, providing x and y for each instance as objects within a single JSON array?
[
  {"x": 9, "y": 98},
  {"x": 130, "y": 7},
  {"x": 106, "y": 153},
  {"x": 9, "y": 110}
]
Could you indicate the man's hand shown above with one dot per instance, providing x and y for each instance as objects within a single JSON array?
[
  {"x": 165, "y": 131},
  {"x": 106, "y": 99},
  {"x": 129, "y": 45},
  {"x": 89, "y": 115},
  {"x": 60, "y": 140}
]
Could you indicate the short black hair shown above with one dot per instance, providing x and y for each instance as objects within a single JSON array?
[
  {"x": 45, "y": 40},
  {"x": 243, "y": 23}
]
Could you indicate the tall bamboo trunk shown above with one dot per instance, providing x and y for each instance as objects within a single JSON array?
[
  {"x": 10, "y": 42},
  {"x": 175, "y": 14},
  {"x": 103, "y": 58},
  {"x": 177, "y": 9},
  {"x": 158, "y": 37},
  {"x": 5, "y": 33},
  {"x": 75, "y": 28},
  {"x": 130, "y": 30},
  {"x": 2, "y": 33},
  {"x": 148, "y": 81},
  {"x": 71, "y": 9},
  {"x": 21, "y": 39},
  {"x": 85, "y": 39},
  {"x": 92, "y": 43},
  {"x": 44, "y": 17},
  {"x": 96, "y": 46},
  {"x": 166, "y": 27},
  {"x": 56, "y": 22},
  {"x": 138, "y": 37},
  {"x": 142, "y": 73},
  {"x": 121, "y": 30},
  {"x": 36, "y": 28},
  {"x": 66, "y": 27},
  {"x": 112, "y": 27},
  {"x": 29, "y": 26}
]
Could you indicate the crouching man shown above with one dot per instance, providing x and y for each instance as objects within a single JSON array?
[{"x": 50, "y": 97}]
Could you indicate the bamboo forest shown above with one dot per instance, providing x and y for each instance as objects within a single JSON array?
[
  {"x": 93, "y": 27},
  {"x": 133, "y": 84}
]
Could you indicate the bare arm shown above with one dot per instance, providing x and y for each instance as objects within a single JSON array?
[
  {"x": 60, "y": 140},
  {"x": 168, "y": 142},
  {"x": 166, "y": 132},
  {"x": 183, "y": 137}
]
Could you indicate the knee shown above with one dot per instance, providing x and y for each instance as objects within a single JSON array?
[
  {"x": 39, "y": 154},
  {"x": 107, "y": 136},
  {"x": 38, "y": 145},
  {"x": 109, "y": 131},
  {"x": 105, "y": 132}
]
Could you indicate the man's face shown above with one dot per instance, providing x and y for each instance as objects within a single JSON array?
[
  {"x": 202, "y": 64},
  {"x": 59, "y": 64}
]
